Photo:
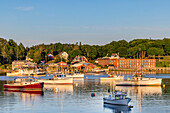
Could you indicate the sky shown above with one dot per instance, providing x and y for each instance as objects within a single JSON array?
[{"x": 94, "y": 22}]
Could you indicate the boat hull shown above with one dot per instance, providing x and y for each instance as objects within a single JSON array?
[
  {"x": 57, "y": 81},
  {"x": 19, "y": 87},
  {"x": 112, "y": 78},
  {"x": 116, "y": 101},
  {"x": 118, "y": 108},
  {"x": 145, "y": 82},
  {"x": 76, "y": 76}
]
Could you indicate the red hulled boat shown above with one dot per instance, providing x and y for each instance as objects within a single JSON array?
[{"x": 26, "y": 85}]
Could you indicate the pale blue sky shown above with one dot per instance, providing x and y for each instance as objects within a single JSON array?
[{"x": 89, "y": 21}]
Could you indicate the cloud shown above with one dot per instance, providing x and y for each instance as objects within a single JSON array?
[{"x": 29, "y": 8}]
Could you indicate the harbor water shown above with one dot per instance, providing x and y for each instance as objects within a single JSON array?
[{"x": 86, "y": 96}]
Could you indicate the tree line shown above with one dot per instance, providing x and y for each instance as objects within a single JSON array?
[{"x": 137, "y": 48}]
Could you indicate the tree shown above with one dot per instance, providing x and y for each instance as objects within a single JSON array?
[
  {"x": 12, "y": 43},
  {"x": 37, "y": 56},
  {"x": 123, "y": 43},
  {"x": 75, "y": 53},
  {"x": 167, "y": 45},
  {"x": 21, "y": 51},
  {"x": 30, "y": 53},
  {"x": 58, "y": 58},
  {"x": 122, "y": 51},
  {"x": 11, "y": 54},
  {"x": 5, "y": 54},
  {"x": 132, "y": 51},
  {"x": 155, "y": 51}
]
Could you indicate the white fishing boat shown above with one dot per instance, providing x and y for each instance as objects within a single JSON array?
[
  {"x": 57, "y": 79},
  {"x": 140, "y": 80},
  {"x": 118, "y": 98},
  {"x": 75, "y": 75},
  {"x": 26, "y": 72},
  {"x": 113, "y": 77}
]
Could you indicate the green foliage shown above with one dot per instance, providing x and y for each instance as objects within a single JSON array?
[
  {"x": 37, "y": 56},
  {"x": 75, "y": 53},
  {"x": 58, "y": 58},
  {"x": 132, "y": 51},
  {"x": 123, "y": 51},
  {"x": 2, "y": 67},
  {"x": 162, "y": 64},
  {"x": 166, "y": 45},
  {"x": 10, "y": 51},
  {"x": 155, "y": 51}
]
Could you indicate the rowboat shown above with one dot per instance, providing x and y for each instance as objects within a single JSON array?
[{"x": 25, "y": 85}]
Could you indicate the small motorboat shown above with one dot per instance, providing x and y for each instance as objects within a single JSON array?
[
  {"x": 25, "y": 85},
  {"x": 118, "y": 98}
]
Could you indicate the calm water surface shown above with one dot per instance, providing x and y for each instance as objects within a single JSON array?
[{"x": 77, "y": 98}]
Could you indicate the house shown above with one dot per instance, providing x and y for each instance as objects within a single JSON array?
[
  {"x": 19, "y": 64},
  {"x": 50, "y": 56},
  {"x": 78, "y": 59},
  {"x": 64, "y": 55},
  {"x": 83, "y": 65},
  {"x": 89, "y": 66}
]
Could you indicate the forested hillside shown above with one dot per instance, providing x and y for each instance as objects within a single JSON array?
[{"x": 9, "y": 50}]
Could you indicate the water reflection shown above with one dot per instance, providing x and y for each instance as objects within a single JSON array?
[
  {"x": 77, "y": 98},
  {"x": 117, "y": 108},
  {"x": 140, "y": 90},
  {"x": 59, "y": 88},
  {"x": 27, "y": 98}
]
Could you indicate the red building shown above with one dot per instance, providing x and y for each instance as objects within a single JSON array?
[{"x": 122, "y": 63}]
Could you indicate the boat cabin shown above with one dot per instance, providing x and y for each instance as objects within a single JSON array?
[
  {"x": 25, "y": 80},
  {"x": 60, "y": 75},
  {"x": 119, "y": 95}
]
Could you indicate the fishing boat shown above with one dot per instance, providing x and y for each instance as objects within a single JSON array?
[
  {"x": 25, "y": 85},
  {"x": 140, "y": 80},
  {"x": 26, "y": 72},
  {"x": 57, "y": 79},
  {"x": 113, "y": 77},
  {"x": 75, "y": 75},
  {"x": 118, "y": 98}
]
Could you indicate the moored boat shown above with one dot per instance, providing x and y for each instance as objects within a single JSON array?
[
  {"x": 57, "y": 79},
  {"x": 140, "y": 80},
  {"x": 25, "y": 85},
  {"x": 118, "y": 98},
  {"x": 113, "y": 77},
  {"x": 75, "y": 75}
]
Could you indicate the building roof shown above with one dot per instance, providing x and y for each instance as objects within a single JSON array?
[{"x": 61, "y": 63}]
